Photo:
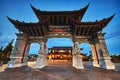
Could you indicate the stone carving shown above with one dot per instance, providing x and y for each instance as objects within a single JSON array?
[
  {"x": 42, "y": 49},
  {"x": 77, "y": 60},
  {"x": 76, "y": 49},
  {"x": 42, "y": 57}
]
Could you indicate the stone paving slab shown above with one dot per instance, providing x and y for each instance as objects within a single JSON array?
[{"x": 59, "y": 71}]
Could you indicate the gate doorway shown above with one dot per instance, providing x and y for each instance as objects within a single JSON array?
[{"x": 60, "y": 54}]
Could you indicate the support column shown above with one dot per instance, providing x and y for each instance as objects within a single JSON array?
[
  {"x": 95, "y": 55},
  {"x": 18, "y": 51},
  {"x": 77, "y": 60},
  {"x": 42, "y": 56},
  {"x": 104, "y": 58},
  {"x": 24, "y": 59}
]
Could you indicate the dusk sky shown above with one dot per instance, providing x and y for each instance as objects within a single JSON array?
[{"x": 97, "y": 10}]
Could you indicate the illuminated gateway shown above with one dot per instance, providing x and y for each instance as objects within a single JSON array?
[{"x": 61, "y": 24}]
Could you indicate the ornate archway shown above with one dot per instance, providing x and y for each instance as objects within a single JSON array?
[{"x": 61, "y": 24}]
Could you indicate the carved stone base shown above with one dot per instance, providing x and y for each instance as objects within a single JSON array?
[
  {"x": 107, "y": 64},
  {"x": 95, "y": 63},
  {"x": 41, "y": 61},
  {"x": 77, "y": 62},
  {"x": 16, "y": 62},
  {"x": 104, "y": 63}
]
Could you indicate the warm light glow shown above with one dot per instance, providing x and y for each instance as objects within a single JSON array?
[{"x": 61, "y": 51}]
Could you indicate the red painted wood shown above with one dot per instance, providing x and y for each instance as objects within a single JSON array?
[
  {"x": 96, "y": 54},
  {"x": 23, "y": 53}
]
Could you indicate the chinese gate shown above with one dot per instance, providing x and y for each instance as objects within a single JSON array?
[{"x": 61, "y": 24}]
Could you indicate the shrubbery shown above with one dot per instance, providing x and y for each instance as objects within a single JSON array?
[{"x": 115, "y": 58}]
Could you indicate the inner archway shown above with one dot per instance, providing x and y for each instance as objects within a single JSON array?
[
  {"x": 85, "y": 52},
  {"x": 59, "y": 49},
  {"x": 61, "y": 24},
  {"x": 85, "y": 48},
  {"x": 34, "y": 47},
  {"x": 33, "y": 53},
  {"x": 59, "y": 42}
]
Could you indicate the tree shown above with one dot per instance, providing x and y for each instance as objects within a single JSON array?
[
  {"x": 1, "y": 50},
  {"x": 115, "y": 58},
  {"x": 8, "y": 49}
]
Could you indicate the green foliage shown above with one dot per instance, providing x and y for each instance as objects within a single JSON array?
[
  {"x": 0, "y": 53},
  {"x": 8, "y": 49},
  {"x": 1, "y": 50},
  {"x": 115, "y": 58},
  {"x": 6, "y": 52}
]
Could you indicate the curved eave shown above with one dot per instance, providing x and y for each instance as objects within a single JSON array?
[
  {"x": 101, "y": 22},
  {"x": 35, "y": 11},
  {"x": 40, "y": 12},
  {"x": 107, "y": 20},
  {"x": 90, "y": 28},
  {"x": 18, "y": 23},
  {"x": 84, "y": 10}
]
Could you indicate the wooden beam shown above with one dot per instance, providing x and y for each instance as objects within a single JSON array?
[
  {"x": 31, "y": 31},
  {"x": 39, "y": 30},
  {"x": 75, "y": 29},
  {"x": 62, "y": 19},
  {"x": 88, "y": 30},
  {"x": 44, "y": 30},
  {"x": 66, "y": 19},
  {"x": 27, "y": 31},
  {"x": 84, "y": 29},
  {"x": 50, "y": 19},
  {"x": 36, "y": 31},
  {"x": 79, "y": 30},
  {"x": 91, "y": 31},
  {"x": 57, "y": 19}
]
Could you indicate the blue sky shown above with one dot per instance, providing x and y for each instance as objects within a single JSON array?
[{"x": 98, "y": 9}]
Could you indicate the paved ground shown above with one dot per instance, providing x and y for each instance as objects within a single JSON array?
[{"x": 59, "y": 71}]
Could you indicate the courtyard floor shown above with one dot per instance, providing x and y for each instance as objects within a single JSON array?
[{"x": 59, "y": 71}]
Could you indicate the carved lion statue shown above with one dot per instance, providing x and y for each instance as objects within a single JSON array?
[
  {"x": 76, "y": 49},
  {"x": 42, "y": 49}
]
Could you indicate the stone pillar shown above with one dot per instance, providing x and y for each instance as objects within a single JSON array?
[
  {"x": 95, "y": 55},
  {"x": 17, "y": 53},
  {"x": 77, "y": 60},
  {"x": 104, "y": 58},
  {"x": 42, "y": 56},
  {"x": 24, "y": 59}
]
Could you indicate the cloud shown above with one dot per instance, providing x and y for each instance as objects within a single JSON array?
[
  {"x": 4, "y": 41},
  {"x": 113, "y": 44},
  {"x": 113, "y": 34}
]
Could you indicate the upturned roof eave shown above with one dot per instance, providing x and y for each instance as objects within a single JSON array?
[
  {"x": 103, "y": 21},
  {"x": 19, "y": 23},
  {"x": 40, "y": 12}
]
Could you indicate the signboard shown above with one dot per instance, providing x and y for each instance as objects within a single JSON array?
[
  {"x": 59, "y": 28},
  {"x": 53, "y": 26}
]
